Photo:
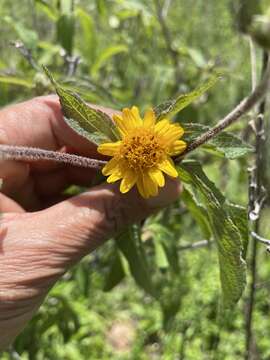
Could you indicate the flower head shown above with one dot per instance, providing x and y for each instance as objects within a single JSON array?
[{"x": 143, "y": 155}]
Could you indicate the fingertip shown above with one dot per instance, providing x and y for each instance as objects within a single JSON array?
[{"x": 167, "y": 194}]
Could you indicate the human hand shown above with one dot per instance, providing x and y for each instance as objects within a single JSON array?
[{"x": 42, "y": 235}]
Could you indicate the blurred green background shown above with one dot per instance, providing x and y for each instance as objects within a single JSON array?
[{"x": 139, "y": 52}]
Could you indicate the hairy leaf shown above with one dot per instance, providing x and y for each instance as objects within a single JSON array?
[
  {"x": 172, "y": 107},
  {"x": 198, "y": 212},
  {"x": 224, "y": 144},
  {"x": 94, "y": 125},
  {"x": 226, "y": 233},
  {"x": 133, "y": 251},
  {"x": 239, "y": 216}
]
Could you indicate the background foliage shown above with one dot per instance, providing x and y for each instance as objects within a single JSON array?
[{"x": 120, "y": 53}]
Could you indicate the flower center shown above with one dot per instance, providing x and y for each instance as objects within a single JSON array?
[{"x": 142, "y": 149}]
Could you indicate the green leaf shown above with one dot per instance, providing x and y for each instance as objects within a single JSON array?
[
  {"x": 65, "y": 32},
  {"x": 116, "y": 273},
  {"x": 94, "y": 125},
  {"x": 27, "y": 36},
  {"x": 106, "y": 55},
  {"x": 245, "y": 11},
  {"x": 239, "y": 216},
  {"x": 47, "y": 9},
  {"x": 260, "y": 31},
  {"x": 11, "y": 80},
  {"x": 172, "y": 107},
  {"x": 226, "y": 233},
  {"x": 198, "y": 212},
  {"x": 160, "y": 255},
  {"x": 224, "y": 144},
  {"x": 131, "y": 248},
  {"x": 87, "y": 37}
]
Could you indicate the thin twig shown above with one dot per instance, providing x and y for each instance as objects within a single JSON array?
[
  {"x": 261, "y": 239},
  {"x": 26, "y": 53},
  {"x": 35, "y": 154},
  {"x": 24, "y": 153},
  {"x": 196, "y": 245},
  {"x": 168, "y": 40},
  {"x": 234, "y": 115},
  {"x": 256, "y": 202}
]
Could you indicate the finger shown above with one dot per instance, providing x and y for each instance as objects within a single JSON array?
[
  {"x": 78, "y": 225},
  {"x": 39, "y": 123},
  {"x": 13, "y": 176},
  {"x": 7, "y": 205},
  {"x": 54, "y": 182}
]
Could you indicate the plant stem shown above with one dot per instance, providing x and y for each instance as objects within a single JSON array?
[
  {"x": 196, "y": 245},
  {"x": 256, "y": 201},
  {"x": 168, "y": 40},
  {"x": 26, "y": 154},
  {"x": 261, "y": 239},
  {"x": 241, "y": 109},
  {"x": 35, "y": 154}
]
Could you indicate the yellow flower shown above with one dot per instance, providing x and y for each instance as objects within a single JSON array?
[{"x": 144, "y": 152}]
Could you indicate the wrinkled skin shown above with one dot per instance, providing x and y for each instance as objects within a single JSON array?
[{"x": 41, "y": 233}]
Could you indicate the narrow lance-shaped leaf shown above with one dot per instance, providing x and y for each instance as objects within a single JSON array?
[
  {"x": 11, "y": 80},
  {"x": 172, "y": 107},
  {"x": 225, "y": 231},
  {"x": 116, "y": 273},
  {"x": 94, "y": 125},
  {"x": 132, "y": 249}
]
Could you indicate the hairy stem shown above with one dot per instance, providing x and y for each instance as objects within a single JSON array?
[
  {"x": 32, "y": 154},
  {"x": 35, "y": 154},
  {"x": 247, "y": 104}
]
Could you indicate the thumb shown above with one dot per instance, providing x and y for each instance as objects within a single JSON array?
[
  {"x": 39, "y": 247},
  {"x": 79, "y": 225}
]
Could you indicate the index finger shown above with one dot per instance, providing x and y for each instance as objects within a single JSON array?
[{"x": 39, "y": 123}]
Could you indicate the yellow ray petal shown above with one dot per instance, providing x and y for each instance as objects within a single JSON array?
[
  {"x": 136, "y": 114},
  {"x": 167, "y": 166},
  {"x": 146, "y": 186},
  {"x": 162, "y": 126},
  {"x": 128, "y": 181},
  {"x": 150, "y": 186},
  {"x": 121, "y": 124},
  {"x": 172, "y": 134},
  {"x": 111, "y": 166},
  {"x": 130, "y": 120},
  {"x": 115, "y": 176},
  {"x": 109, "y": 149},
  {"x": 140, "y": 186},
  {"x": 177, "y": 147},
  {"x": 157, "y": 176},
  {"x": 149, "y": 118}
]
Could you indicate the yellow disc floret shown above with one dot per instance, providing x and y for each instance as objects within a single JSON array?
[
  {"x": 144, "y": 152},
  {"x": 141, "y": 150}
]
